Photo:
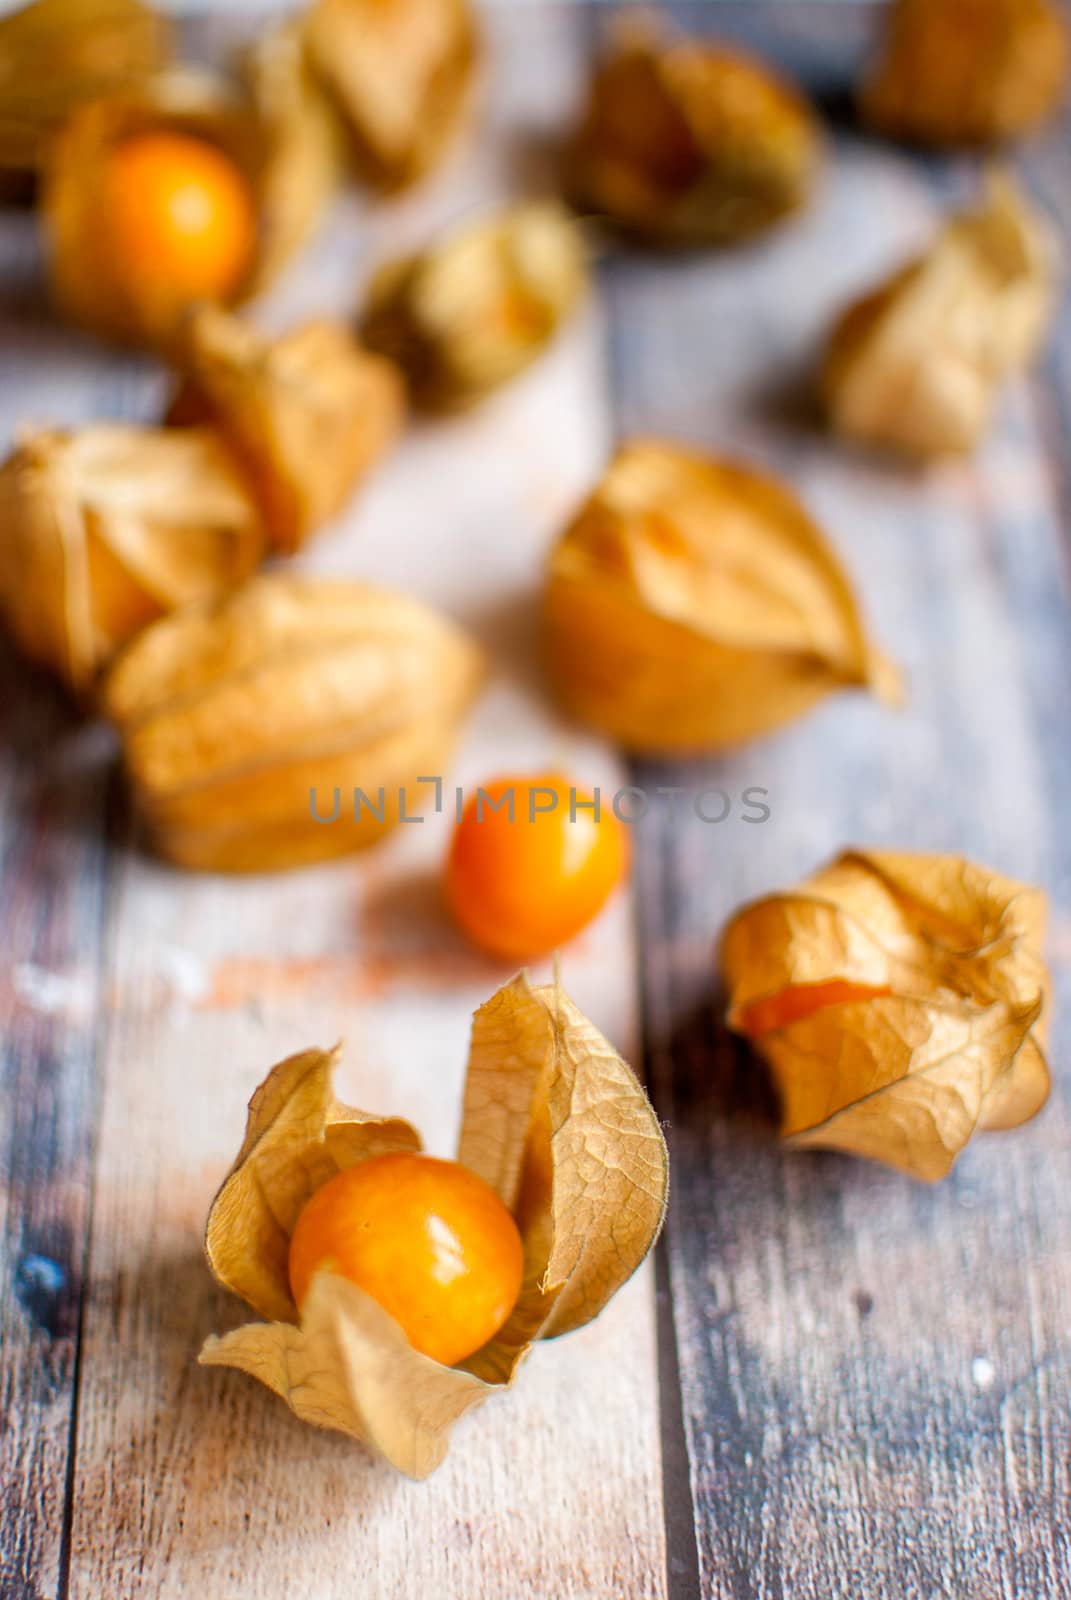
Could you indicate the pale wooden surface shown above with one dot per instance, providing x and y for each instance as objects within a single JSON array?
[
  {"x": 185, "y": 1481},
  {"x": 847, "y": 1387}
]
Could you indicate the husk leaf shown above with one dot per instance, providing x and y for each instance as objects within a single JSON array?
[
  {"x": 688, "y": 143},
  {"x": 917, "y": 364},
  {"x": 309, "y": 413},
  {"x": 87, "y": 280},
  {"x": 107, "y": 528},
  {"x": 471, "y": 312},
  {"x": 967, "y": 72},
  {"x": 232, "y": 715},
  {"x": 693, "y": 604},
  {"x": 297, "y": 1137},
  {"x": 400, "y": 73},
  {"x": 301, "y": 143},
  {"x": 557, "y": 1124},
  {"x": 554, "y": 1120},
  {"x": 57, "y": 54},
  {"x": 944, "y": 1033}
]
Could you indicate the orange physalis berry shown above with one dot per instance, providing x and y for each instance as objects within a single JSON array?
[
  {"x": 427, "y": 1239},
  {"x": 802, "y": 1000},
  {"x": 180, "y": 218},
  {"x": 531, "y": 864}
]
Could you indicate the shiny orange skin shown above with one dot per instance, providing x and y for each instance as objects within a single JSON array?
[
  {"x": 180, "y": 218},
  {"x": 519, "y": 888},
  {"x": 802, "y": 1000},
  {"x": 427, "y": 1239}
]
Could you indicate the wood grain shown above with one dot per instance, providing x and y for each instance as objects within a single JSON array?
[
  {"x": 54, "y": 886},
  {"x": 874, "y": 1374},
  {"x": 56, "y": 786}
]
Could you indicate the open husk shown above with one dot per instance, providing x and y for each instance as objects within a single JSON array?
[
  {"x": 301, "y": 144},
  {"x": 967, "y": 72},
  {"x": 88, "y": 282},
  {"x": 309, "y": 413},
  {"x": 104, "y": 529},
  {"x": 916, "y": 365},
  {"x": 554, "y": 1120},
  {"x": 689, "y": 143},
  {"x": 472, "y": 311},
  {"x": 57, "y": 54},
  {"x": 271, "y": 127},
  {"x": 692, "y": 604},
  {"x": 400, "y": 72},
  {"x": 247, "y": 726},
  {"x": 901, "y": 1002}
]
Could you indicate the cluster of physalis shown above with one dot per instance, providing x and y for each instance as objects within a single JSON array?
[
  {"x": 689, "y": 604},
  {"x": 900, "y": 1001}
]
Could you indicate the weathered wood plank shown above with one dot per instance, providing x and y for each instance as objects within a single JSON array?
[
  {"x": 54, "y": 897},
  {"x": 188, "y": 1481},
  {"x": 53, "y": 889},
  {"x": 874, "y": 1375}
]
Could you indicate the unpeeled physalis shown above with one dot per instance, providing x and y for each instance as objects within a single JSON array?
[
  {"x": 689, "y": 143},
  {"x": 916, "y": 365},
  {"x": 692, "y": 604},
  {"x": 309, "y": 413},
  {"x": 295, "y": 720},
  {"x": 57, "y": 54},
  {"x": 400, "y": 73},
  {"x": 554, "y": 1121},
  {"x": 901, "y": 1002},
  {"x": 967, "y": 72},
  {"x": 300, "y": 141},
  {"x": 473, "y": 310},
  {"x": 106, "y": 528}
]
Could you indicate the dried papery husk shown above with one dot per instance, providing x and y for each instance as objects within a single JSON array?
[
  {"x": 689, "y": 143},
  {"x": 967, "y": 72},
  {"x": 692, "y": 604},
  {"x": 401, "y": 73},
  {"x": 57, "y": 54},
  {"x": 106, "y": 528},
  {"x": 901, "y": 1001},
  {"x": 301, "y": 143},
  {"x": 916, "y": 365},
  {"x": 88, "y": 283},
  {"x": 554, "y": 1120},
  {"x": 309, "y": 413},
  {"x": 233, "y": 716},
  {"x": 469, "y": 313}
]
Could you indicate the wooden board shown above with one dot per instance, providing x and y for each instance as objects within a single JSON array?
[
  {"x": 834, "y": 1383},
  {"x": 874, "y": 1375},
  {"x": 155, "y": 1477}
]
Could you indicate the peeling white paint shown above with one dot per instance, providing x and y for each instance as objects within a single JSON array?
[
  {"x": 983, "y": 1372},
  {"x": 52, "y": 993}
]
